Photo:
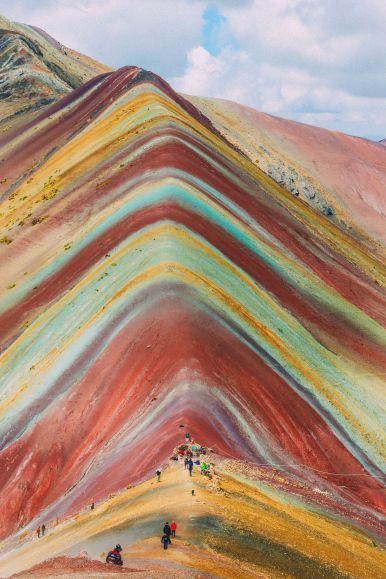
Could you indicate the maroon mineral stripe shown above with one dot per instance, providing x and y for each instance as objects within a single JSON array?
[
  {"x": 40, "y": 144},
  {"x": 125, "y": 378},
  {"x": 319, "y": 320}
]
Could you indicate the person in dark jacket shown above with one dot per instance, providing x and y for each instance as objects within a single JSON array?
[
  {"x": 43, "y": 529},
  {"x": 190, "y": 466},
  {"x": 165, "y": 540},
  {"x": 167, "y": 530}
]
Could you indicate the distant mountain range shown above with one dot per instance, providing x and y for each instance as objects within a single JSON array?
[{"x": 36, "y": 70}]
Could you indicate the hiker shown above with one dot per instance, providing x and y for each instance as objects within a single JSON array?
[
  {"x": 173, "y": 526},
  {"x": 187, "y": 436},
  {"x": 43, "y": 529},
  {"x": 167, "y": 530},
  {"x": 158, "y": 473},
  {"x": 165, "y": 540},
  {"x": 114, "y": 556},
  {"x": 190, "y": 466},
  {"x": 38, "y": 532},
  {"x": 203, "y": 467},
  {"x": 186, "y": 462},
  {"x": 92, "y": 506}
]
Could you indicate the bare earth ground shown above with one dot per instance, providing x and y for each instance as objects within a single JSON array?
[{"x": 230, "y": 528}]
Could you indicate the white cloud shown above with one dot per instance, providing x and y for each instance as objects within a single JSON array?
[
  {"x": 207, "y": 73},
  {"x": 319, "y": 61},
  {"x": 154, "y": 34},
  {"x": 283, "y": 91}
]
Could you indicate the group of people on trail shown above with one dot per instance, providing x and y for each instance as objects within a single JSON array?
[
  {"x": 41, "y": 530},
  {"x": 169, "y": 531},
  {"x": 114, "y": 556},
  {"x": 192, "y": 454},
  {"x": 205, "y": 468}
]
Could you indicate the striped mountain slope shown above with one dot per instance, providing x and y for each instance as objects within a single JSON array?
[{"x": 152, "y": 276}]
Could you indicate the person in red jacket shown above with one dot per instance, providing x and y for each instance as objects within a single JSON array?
[
  {"x": 114, "y": 556},
  {"x": 173, "y": 526}
]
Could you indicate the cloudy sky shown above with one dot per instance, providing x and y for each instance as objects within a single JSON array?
[{"x": 321, "y": 62}]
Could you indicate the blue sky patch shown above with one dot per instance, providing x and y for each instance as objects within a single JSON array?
[{"x": 213, "y": 22}]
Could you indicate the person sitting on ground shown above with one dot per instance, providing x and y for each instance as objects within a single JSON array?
[
  {"x": 173, "y": 526},
  {"x": 114, "y": 556},
  {"x": 207, "y": 471},
  {"x": 167, "y": 530}
]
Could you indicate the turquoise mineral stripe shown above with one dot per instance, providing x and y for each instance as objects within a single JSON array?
[
  {"x": 293, "y": 272},
  {"x": 156, "y": 194},
  {"x": 74, "y": 311}
]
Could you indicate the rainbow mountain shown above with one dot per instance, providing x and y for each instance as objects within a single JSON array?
[{"x": 156, "y": 280}]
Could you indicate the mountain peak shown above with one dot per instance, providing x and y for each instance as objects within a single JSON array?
[{"x": 36, "y": 70}]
